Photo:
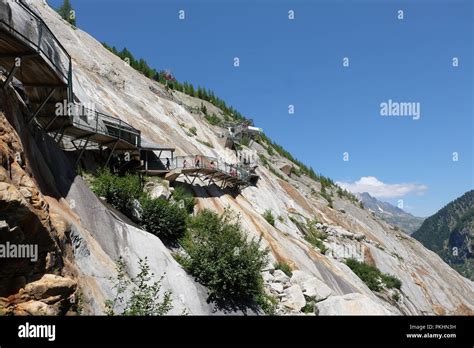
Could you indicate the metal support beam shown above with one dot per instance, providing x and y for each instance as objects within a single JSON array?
[
  {"x": 186, "y": 176},
  {"x": 223, "y": 184},
  {"x": 10, "y": 75},
  {"x": 62, "y": 134},
  {"x": 192, "y": 183},
  {"x": 42, "y": 105},
  {"x": 146, "y": 162},
  {"x": 111, "y": 153},
  {"x": 211, "y": 180},
  {"x": 59, "y": 130},
  {"x": 85, "y": 136},
  {"x": 82, "y": 152},
  {"x": 74, "y": 144},
  {"x": 108, "y": 142},
  {"x": 50, "y": 123}
]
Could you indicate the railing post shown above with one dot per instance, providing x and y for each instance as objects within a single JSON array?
[{"x": 69, "y": 83}]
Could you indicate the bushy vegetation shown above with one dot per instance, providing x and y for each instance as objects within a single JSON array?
[
  {"x": 222, "y": 258},
  {"x": 326, "y": 195},
  {"x": 372, "y": 276},
  {"x": 309, "y": 306},
  {"x": 245, "y": 141},
  {"x": 163, "y": 219},
  {"x": 284, "y": 267},
  {"x": 391, "y": 281},
  {"x": 315, "y": 237},
  {"x": 351, "y": 197},
  {"x": 119, "y": 191},
  {"x": 143, "y": 297},
  {"x": 180, "y": 194},
  {"x": 270, "y": 151},
  {"x": 208, "y": 144},
  {"x": 193, "y": 130},
  {"x": 268, "y": 216},
  {"x": 213, "y": 119},
  {"x": 396, "y": 296}
]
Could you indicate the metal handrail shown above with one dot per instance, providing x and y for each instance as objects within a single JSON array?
[
  {"x": 100, "y": 123},
  {"x": 45, "y": 26},
  {"x": 207, "y": 162}
]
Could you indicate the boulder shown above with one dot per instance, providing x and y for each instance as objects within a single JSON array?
[
  {"x": 280, "y": 276},
  {"x": 350, "y": 304},
  {"x": 158, "y": 190},
  {"x": 359, "y": 237},
  {"x": 35, "y": 308},
  {"x": 267, "y": 277},
  {"x": 298, "y": 277},
  {"x": 277, "y": 287},
  {"x": 50, "y": 285},
  {"x": 316, "y": 289},
  {"x": 311, "y": 286},
  {"x": 294, "y": 298}
]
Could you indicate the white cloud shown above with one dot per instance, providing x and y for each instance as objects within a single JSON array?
[{"x": 379, "y": 189}]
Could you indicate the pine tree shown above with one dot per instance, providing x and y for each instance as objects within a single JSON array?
[{"x": 67, "y": 12}]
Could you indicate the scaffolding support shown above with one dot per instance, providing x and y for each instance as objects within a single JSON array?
[
  {"x": 82, "y": 152},
  {"x": 50, "y": 94},
  {"x": 111, "y": 153},
  {"x": 11, "y": 75}
]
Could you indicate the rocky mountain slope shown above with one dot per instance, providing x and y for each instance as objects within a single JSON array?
[
  {"x": 450, "y": 232},
  {"x": 391, "y": 214},
  {"x": 87, "y": 237}
]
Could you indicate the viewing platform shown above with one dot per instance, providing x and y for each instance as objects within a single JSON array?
[
  {"x": 207, "y": 169},
  {"x": 38, "y": 64}
]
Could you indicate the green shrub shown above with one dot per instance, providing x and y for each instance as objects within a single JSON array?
[
  {"x": 316, "y": 238},
  {"x": 223, "y": 259},
  {"x": 208, "y": 144},
  {"x": 268, "y": 215},
  {"x": 270, "y": 151},
  {"x": 396, "y": 296},
  {"x": 193, "y": 130},
  {"x": 284, "y": 267},
  {"x": 203, "y": 109},
  {"x": 119, "y": 191},
  {"x": 326, "y": 196},
  {"x": 368, "y": 274},
  {"x": 245, "y": 141},
  {"x": 181, "y": 194},
  {"x": 213, "y": 119},
  {"x": 144, "y": 297},
  {"x": 372, "y": 276},
  {"x": 391, "y": 281},
  {"x": 163, "y": 219},
  {"x": 309, "y": 307},
  {"x": 263, "y": 159}
]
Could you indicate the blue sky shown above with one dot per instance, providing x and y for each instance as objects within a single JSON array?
[{"x": 337, "y": 109}]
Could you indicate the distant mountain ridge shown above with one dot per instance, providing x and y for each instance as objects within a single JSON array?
[
  {"x": 390, "y": 213},
  {"x": 450, "y": 232}
]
